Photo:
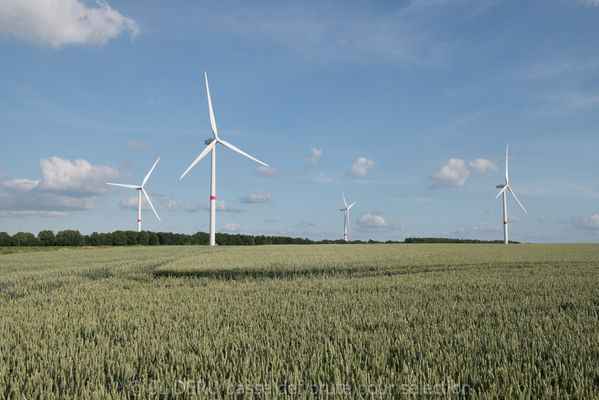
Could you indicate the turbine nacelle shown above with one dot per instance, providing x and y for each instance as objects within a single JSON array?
[{"x": 347, "y": 208}]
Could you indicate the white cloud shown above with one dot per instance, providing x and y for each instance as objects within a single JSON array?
[
  {"x": 313, "y": 159},
  {"x": 560, "y": 67},
  {"x": 22, "y": 185},
  {"x": 456, "y": 172},
  {"x": 585, "y": 221},
  {"x": 78, "y": 177},
  {"x": 361, "y": 167},
  {"x": 482, "y": 165},
  {"x": 453, "y": 174},
  {"x": 65, "y": 186},
  {"x": 231, "y": 227},
  {"x": 369, "y": 220},
  {"x": 37, "y": 200},
  {"x": 411, "y": 199},
  {"x": 137, "y": 144},
  {"x": 305, "y": 224},
  {"x": 574, "y": 100},
  {"x": 262, "y": 170},
  {"x": 63, "y": 22},
  {"x": 325, "y": 33},
  {"x": 482, "y": 228},
  {"x": 562, "y": 190},
  {"x": 566, "y": 103},
  {"x": 30, "y": 213},
  {"x": 589, "y": 2},
  {"x": 175, "y": 204},
  {"x": 257, "y": 198},
  {"x": 223, "y": 206},
  {"x": 67, "y": 202},
  {"x": 131, "y": 203},
  {"x": 376, "y": 222},
  {"x": 315, "y": 155}
]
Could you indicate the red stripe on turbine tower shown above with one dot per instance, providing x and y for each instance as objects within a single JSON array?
[
  {"x": 504, "y": 222},
  {"x": 212, "y": 197}
]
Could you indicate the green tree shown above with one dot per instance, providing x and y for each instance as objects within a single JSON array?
[
  {"x": 5, "y": 239},
  {"x": 119, "y": 238},
  {"x": 143, "y": 238},
  {"x": 24, "y": 239},
  {"x": 131, "y": 238},
  {"x": 165, "y": 238},
  {"x": 154, "y": 239},
  {"x": 98, "y": 239},
  {"x": 201, "y": 238},
  {"x": 46, "y": 238},
  {"x": 69, "y": 238}
]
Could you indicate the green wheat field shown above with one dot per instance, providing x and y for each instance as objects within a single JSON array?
[{"x": 318, "y": 321}]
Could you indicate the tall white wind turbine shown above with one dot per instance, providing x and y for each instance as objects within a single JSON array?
[
  {"x": 345, "y": 210},
  {"x": 211, "y": 148},
  {"x": 140, "y": 189},
  {"x": 505, "y": 187}
]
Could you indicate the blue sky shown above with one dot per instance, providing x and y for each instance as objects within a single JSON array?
[{"x": 405, "y": 105}]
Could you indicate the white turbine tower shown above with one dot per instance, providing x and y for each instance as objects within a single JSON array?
[
  {"x": 345, "y": 210},
  {"x": 504, "y": 188},
  {"x": 140, "y": 189},
  {"x": 211, "y": 148}
]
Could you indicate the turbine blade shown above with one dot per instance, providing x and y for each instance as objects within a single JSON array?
[
  {"x": 150, "y": 172},
  {"x": 501, "y": 191},
  {"x": 197, "y": 160},
  {"x": 516, "y": 197},
  {"x": 344, "y": 202},
  {"x": 124, "y": 185},
  {"x": 150, "y": 203},
  {"x": 210, "y": 110},
  {"x": 243, "y": 153},
  {"x": 351, "y": 205}
]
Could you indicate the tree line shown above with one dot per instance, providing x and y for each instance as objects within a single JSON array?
[
  {"x": 147, "y": 238},
  {"x": 450, "y": 240},
  {"x": 144, "y": 238}
]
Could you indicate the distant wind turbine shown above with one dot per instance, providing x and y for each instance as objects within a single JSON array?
[
  {"x": 140, "y": 189},
  {"x": 211, "y": 148},
  {"x": 504, "y": 188},
  {"x": 345, "y": 210}
]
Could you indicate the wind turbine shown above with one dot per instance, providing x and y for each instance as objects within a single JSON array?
[
  {"x": 505, "y": 187},
  {"x": 211, "y": 148},
  {"x": 345, "y": 210},
  {"x": 140, "y": 189}
]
